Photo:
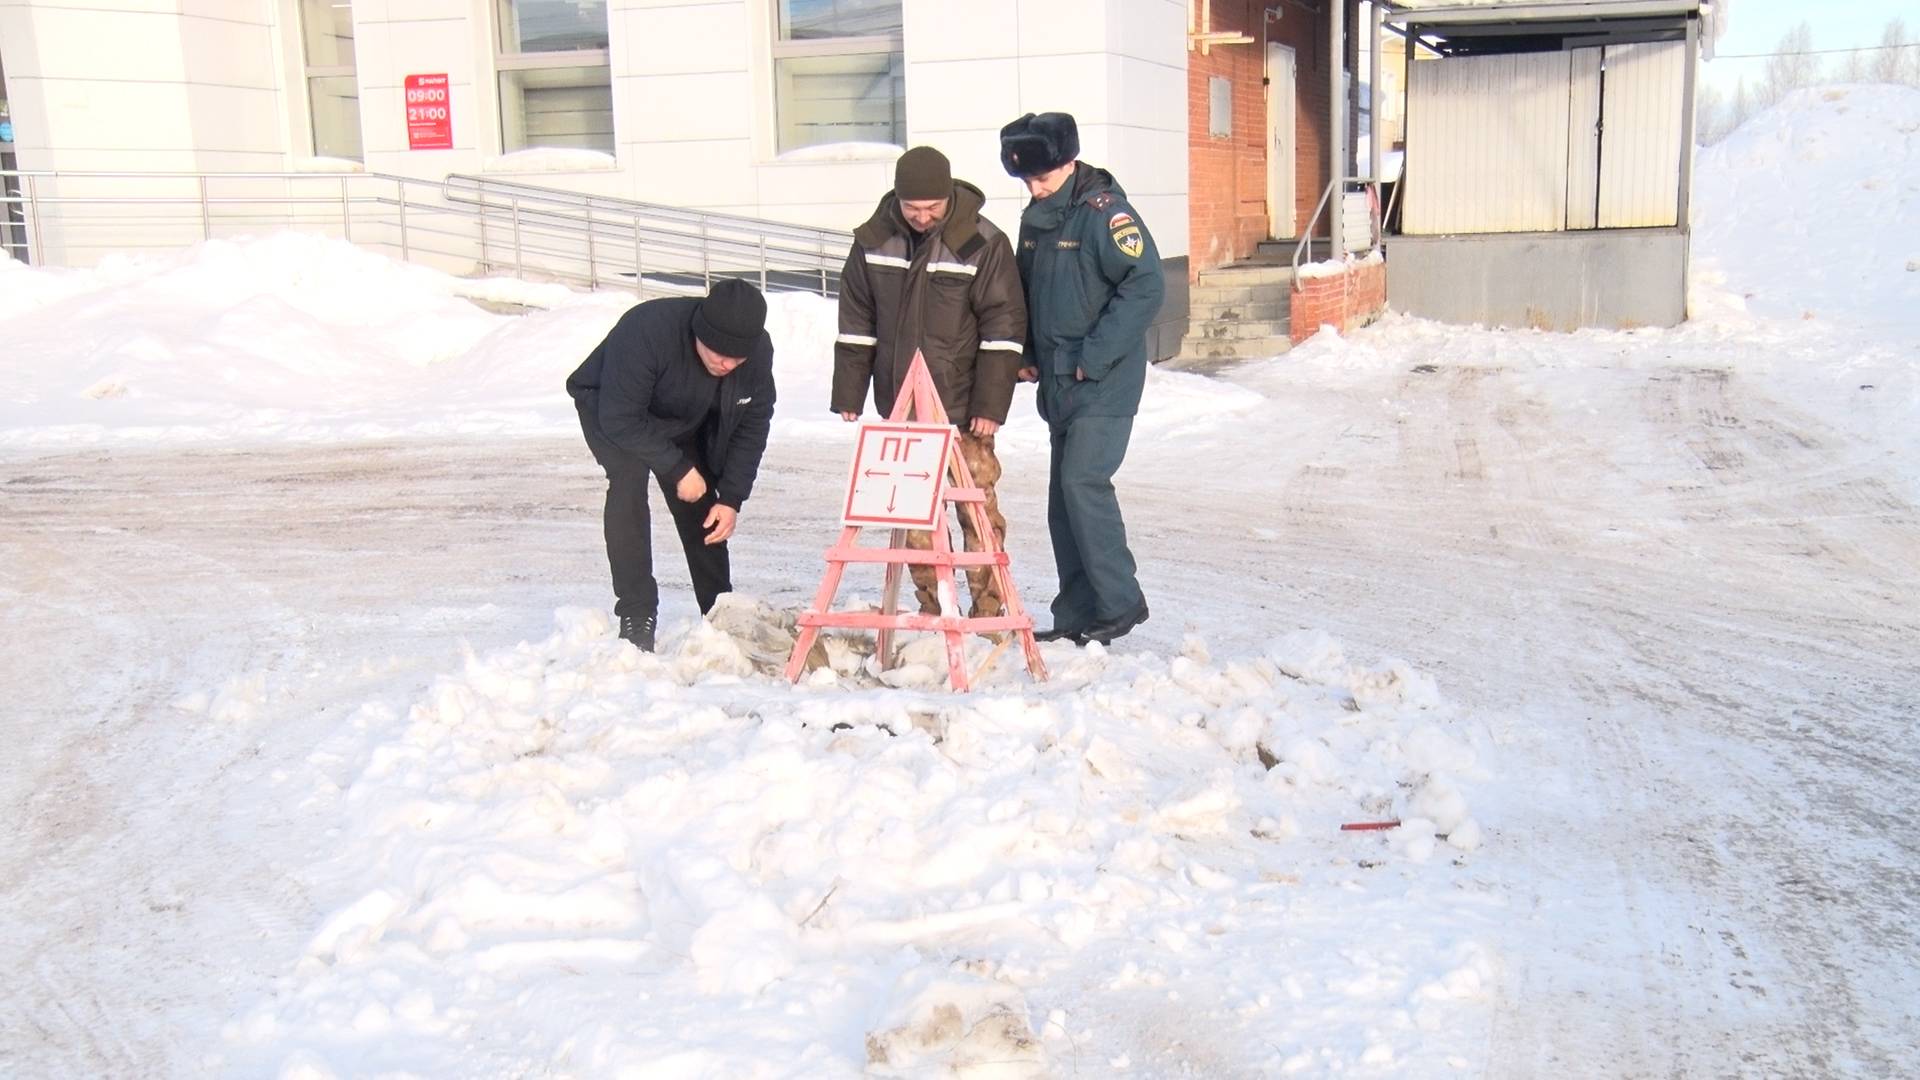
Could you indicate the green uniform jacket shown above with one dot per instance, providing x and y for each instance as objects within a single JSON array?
[{"x": 1093, "y": 283}]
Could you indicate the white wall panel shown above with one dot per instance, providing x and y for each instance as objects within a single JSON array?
[
  {"x": 693, "y": 40},
  {"x": 1487, "y": 144},
  {"x": 1640, "y": 141},
  {"x": 175, "y": 83},
  {"x": 654, "y": 111},
  {"x": 1583, "y": 140}
]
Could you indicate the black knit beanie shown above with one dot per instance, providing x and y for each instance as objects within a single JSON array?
[
  {"x": 1039, "y": 144},
  {"x": 922, "y": 173},
  {"x": 729, "y": 321}
]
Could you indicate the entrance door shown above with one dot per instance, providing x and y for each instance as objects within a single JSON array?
[{"x": 1280, "y": 156}]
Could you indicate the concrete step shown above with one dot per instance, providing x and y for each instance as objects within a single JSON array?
[
  {"x": 1277, "y": 308},
  {"x": 1232, "y": 348},
  {"x": 1283, "y": 249},
  {"x": 1267, "y": 293},
  {"x": 1244, "y": 274},
  {"x": 1236, "y": 330}
]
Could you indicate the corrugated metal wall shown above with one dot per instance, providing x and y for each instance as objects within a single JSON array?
[
  {"x": 1640, "y": 143},
  {"x": 1583, "y": 141},
  {"x": 1542, "y": 142},
  {"x": 1487, "y": 144}
]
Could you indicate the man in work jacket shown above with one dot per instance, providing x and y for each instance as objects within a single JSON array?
[
  {"x": 681, "y": 389},
  {"x": 1093, "y": 283},
  {"x": 927, "y": 272}
]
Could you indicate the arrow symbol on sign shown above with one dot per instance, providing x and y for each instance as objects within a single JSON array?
[
  {"x": 891, "y": 496},
  {"x": 871, "y": 473},
  {"x": 920, "y": 475}
]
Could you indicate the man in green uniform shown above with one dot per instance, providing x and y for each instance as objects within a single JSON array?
[{"x": 1093, "y": 283}]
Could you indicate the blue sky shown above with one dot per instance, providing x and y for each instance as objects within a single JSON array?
[{"x": 1756, "y": 26}]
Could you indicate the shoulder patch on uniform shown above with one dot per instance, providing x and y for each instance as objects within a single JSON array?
[
  {"x": 1128, "y": 239},
  {"x": 1120, "y": 217},
  {"x": 1101, "y": 200}
]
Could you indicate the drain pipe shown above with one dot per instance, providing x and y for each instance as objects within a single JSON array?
[
  {"x": 1337, "y": 110},
  {"x": 1375, "y": 95}
]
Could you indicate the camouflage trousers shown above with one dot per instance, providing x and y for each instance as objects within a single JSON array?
[{"x": 977, "y": 452}]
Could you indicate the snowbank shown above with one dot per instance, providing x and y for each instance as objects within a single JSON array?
[
  {"x": 1812, "y": 208},
  {"x": 678, "y": 865},
  {"x": 293, "y": 337}
]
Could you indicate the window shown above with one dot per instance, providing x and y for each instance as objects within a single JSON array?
[
  {"x": 333, "y": 93},
  {"x": 556, "y": 88},
  {"x": 839, "y": 72},
  {"x": 1219, "y": 107}
]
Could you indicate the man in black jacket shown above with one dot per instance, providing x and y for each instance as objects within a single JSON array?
[{"x": 682, "y": 389}]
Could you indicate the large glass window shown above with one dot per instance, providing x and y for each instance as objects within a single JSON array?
[
  {"x": 333, "y": 91},
  {"x": 839, "y": 73},
  {"x": 556, "y": 88}
]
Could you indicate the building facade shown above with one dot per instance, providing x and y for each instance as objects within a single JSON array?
[
  {"x": 1227, "y": 121},
  {"x": 785, "y": 109}
]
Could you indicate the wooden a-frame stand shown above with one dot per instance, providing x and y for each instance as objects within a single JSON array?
[{"x": 920, "y": 401}]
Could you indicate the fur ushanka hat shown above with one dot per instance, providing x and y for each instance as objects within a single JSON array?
[{"x": 1039, "y": 143}]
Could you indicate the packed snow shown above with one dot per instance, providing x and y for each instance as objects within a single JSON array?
[{"x": 1602, "y": 632}]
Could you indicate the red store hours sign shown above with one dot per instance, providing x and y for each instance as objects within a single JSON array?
[{"x": 429, "y": 117}]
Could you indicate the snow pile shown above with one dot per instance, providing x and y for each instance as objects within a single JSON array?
[
  {"x": 298, "y": 337},
  {"x": 1812, "y": 208},
  {"x": 578, "y": 858},
  {"x": 1336, "y": 267}
]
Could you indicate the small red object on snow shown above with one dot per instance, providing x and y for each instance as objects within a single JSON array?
[{"x": 1368, "y": 826}]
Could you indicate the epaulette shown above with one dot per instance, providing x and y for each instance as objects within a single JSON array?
[
  {"x": 1101, "y": 200},
  {"x": 967, "y": 249}
]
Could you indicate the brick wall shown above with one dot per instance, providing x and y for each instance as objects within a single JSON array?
[
  {"x": 1227, "y": 183},
  {"x": 1348, "y": 298}
]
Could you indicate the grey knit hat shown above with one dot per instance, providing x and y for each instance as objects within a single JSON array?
[{"x": 922, "y": 173}]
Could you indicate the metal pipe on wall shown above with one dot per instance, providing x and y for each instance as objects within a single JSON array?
[
  {"x": 1373, "y": 91},
  {"x": 1337, "y": 109}
]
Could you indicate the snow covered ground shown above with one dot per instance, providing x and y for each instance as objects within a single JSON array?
[{"x": 324, "y": 762}]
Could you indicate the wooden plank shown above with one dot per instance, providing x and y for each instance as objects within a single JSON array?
[
  {"x": 916, "y": 557},
  {"x": 873, "y": 620},
  {"x": 920, "y": 400}
]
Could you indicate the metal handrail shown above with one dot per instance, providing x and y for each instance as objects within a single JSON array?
[
  {"x": 1306, "y": 234},
  {"x": 594, "y": 240},
  {"x": 585, "y": 199}
]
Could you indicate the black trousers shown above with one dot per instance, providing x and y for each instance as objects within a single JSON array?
[{"x": 629, "y": 527}]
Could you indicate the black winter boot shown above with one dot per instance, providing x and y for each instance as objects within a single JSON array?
[
  {"x": 638, "y": 629},
  {"x": 1105, "y": 630}
]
